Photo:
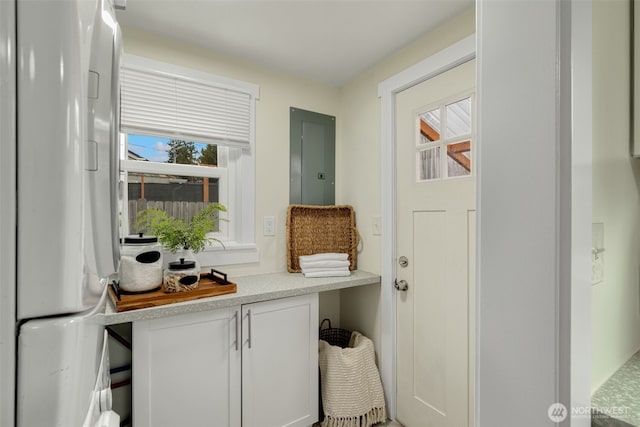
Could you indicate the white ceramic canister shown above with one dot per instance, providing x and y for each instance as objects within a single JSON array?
[{"x": 140, "y": 264}]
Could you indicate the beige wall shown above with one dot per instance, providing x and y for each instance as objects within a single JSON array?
[
  {"x": 358, "y": 167},
  {"x": 616, "y": 201}
]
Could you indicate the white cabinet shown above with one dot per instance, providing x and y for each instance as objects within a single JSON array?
[
  {"x": 280, "y": 362},
  {"x": 186, "y": 370},
  {"x": 191, "y": 370}
]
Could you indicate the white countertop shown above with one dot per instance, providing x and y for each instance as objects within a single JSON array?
[{"x": 256, "y": 288}]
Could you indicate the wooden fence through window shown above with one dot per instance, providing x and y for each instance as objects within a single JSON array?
[{"x": 180, "y": 210}]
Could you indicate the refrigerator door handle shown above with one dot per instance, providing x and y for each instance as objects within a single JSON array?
[
  {"x": 114, "y": 141},
  {"x": 103, "y": 161}
]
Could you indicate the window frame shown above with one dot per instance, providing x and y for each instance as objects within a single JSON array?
[{"x": 236, "y": 179}]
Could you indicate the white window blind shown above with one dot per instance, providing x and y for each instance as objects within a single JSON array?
[{"x": 167, "y": 104}]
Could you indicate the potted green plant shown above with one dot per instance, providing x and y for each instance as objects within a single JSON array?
[{"x": 175, "y": 234}]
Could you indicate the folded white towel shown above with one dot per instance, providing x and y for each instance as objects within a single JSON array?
[
  {"x": 328, "y": 274},
  {"x": 315, "y": 270},
  {"x": 328, "y": 256},
  {"x": 324, "y": 264}
]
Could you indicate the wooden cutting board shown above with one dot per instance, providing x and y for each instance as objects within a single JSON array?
[{"x": 206, "y": 288}]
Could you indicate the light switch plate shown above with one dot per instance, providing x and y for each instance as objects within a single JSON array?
[
  {"x": 376, "y": 225},
  {"x": 269, "y": 226}
]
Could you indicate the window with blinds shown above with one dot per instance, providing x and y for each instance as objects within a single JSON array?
[
  {"x": 187, "y": 140},
  {"x": 161, "y": 103}
]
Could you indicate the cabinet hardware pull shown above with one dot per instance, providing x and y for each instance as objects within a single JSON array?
[
  {"x": 237, "y": 333},
  {"x": 249, "y": 319}
]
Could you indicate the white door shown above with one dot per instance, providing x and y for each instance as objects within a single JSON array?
[{"x": 436, "y": 235}]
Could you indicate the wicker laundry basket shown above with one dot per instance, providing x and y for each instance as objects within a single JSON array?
[
  {"x": 334, "y": 336},
  {"x": 320, "y": 229}
]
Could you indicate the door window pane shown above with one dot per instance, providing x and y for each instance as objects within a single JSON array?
[
  {"x": 459, "y": 159},
  {"x": 430, "y": 126},
  {"x": 458, "y": 118},
  {"x": 429, "y": 164}
]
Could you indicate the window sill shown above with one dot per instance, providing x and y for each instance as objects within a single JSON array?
[{"x": 232, "y": 253}]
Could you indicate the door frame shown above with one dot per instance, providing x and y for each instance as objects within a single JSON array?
[{"x": 438, "y": 63}]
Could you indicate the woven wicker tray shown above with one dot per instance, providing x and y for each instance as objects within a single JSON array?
[{"x": 319, "y": 229}]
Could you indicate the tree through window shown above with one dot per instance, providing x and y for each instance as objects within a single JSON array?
[{"x": 181, "y": 196}]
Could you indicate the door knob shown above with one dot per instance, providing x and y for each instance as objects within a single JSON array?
[{"x": 401, "y": 285}]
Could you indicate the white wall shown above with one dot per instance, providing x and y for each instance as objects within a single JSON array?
[
  {"x": 616, "y": 200},
  {"x": 521, "y": 217}
]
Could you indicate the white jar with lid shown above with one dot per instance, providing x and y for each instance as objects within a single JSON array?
[
  {"x": 182, "y": 275},
  {"x": 140, "y": 264}
]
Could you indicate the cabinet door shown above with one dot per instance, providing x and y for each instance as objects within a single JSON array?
[
  {"x": 280, "y": 362},
  {"x": 186, "y": 370}
]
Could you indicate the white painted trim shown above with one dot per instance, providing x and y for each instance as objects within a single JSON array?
[
  {"x": 232, "y": 253},
  {"x": 446, "y": 59},
  {"x": 579, "y": 327},
  {"x": 247, "y": 172},
  {"x": 456, "y": 54},
  {"x": 635, "y": 65},
  {"x": 173, "y": 168}
]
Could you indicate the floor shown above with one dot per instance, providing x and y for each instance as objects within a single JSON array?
[
  {"x": 617, "y": 402},
  {"x": 389, "y": 423}
]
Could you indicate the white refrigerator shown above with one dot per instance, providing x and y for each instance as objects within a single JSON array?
[{"x": 59, "y": 110}]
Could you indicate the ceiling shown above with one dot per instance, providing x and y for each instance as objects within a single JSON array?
[{"x": 330, "y": 41}]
